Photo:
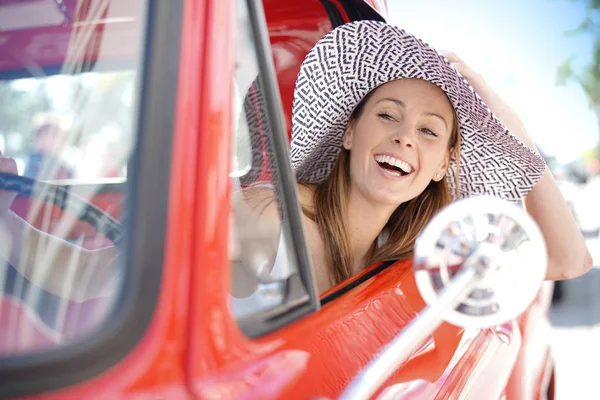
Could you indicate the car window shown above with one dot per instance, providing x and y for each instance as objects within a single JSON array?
[
  {"x": 68, "y": 79},
  {"x": 266, "y": 276}
]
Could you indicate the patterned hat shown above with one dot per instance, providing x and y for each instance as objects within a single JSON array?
[{"x": 355, "y": 58}]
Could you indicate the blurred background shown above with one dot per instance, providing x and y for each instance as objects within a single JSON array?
[
  {"x": 84, "y": 121},
  {"x": 543, "y": 58}
]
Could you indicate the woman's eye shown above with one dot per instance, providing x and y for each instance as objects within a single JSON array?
[
  {"x": 429, "y": 132},
  {"x": 386, "y": 116}
]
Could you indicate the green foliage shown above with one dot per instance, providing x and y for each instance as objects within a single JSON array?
[
  {"x": 588, "y": 77},
  {"x": 565, "y": 72}
]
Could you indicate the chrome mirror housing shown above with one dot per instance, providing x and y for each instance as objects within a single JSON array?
[
  {"x": 491, "y": 236},
  {"x": 479, "y": 262}
]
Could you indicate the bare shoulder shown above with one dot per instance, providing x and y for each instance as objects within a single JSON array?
[
  {"x": 306, "y": 196},
  {"x": 313, "y": 236},
  {"x": 316, "y": 245},
  {"x": 307, "y": 204}
]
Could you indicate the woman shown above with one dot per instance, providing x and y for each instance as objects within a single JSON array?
[{"x": 385, "y": 133}]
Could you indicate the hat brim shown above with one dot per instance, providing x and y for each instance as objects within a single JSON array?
[{"x": 356, "y": 58}]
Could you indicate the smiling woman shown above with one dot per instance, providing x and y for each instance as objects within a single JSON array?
[
  {"x": 396, "y": 151},
  {"x": 383, "y": 140}
]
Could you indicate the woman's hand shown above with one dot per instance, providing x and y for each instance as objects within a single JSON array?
[
  {"x": 505, "y": 114},
  {"x": 7, "y": 165},
  {"x": 568, "y": 256}
]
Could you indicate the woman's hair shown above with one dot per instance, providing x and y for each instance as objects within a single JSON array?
[{"x": 403, "y": 227}]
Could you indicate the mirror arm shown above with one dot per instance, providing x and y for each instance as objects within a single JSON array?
[{"x": 400, "y": 348}]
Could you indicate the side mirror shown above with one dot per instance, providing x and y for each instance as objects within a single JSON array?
[
  {"x": 479, "y": 262},
  {"x": 496, "y": 240}
]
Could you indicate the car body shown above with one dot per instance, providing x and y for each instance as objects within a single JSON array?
[{"x": 172, "y": 331}]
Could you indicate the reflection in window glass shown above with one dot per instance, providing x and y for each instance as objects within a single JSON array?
[
  {"x": 259, "y": 252},
  {"x": 67, "y": 112}
]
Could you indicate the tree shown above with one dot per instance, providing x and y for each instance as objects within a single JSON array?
[{"x": 588, "y": 76}]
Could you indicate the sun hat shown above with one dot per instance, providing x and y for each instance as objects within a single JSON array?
[{"x": 356, "y": 58}]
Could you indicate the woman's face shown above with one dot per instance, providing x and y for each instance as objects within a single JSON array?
[{"x": 399, "y": 143}]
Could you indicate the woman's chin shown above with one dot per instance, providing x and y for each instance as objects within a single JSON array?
[
  {"x": 385, "y": 198},
  {"x": 394, "y": 195},
  {"x": 380, "y": 193}
]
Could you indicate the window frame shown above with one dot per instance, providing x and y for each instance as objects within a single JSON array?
[
  {"x": 143, "y": 247},
  {"x": 360, "y": 10},
  {"x": 301, "y": 288}
]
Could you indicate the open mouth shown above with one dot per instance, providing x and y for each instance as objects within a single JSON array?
[{"x": 393, "y": 165}]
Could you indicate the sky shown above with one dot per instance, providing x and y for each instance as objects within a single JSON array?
[{"x": 516, "y": 45}]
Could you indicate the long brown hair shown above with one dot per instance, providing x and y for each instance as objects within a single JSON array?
[{"x": 403, "y": 227}]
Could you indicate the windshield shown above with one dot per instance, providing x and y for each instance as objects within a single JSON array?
[{"x": 68, "y": 78}]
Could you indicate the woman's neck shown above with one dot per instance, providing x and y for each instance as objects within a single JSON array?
[{"x": 364, "y": 222}]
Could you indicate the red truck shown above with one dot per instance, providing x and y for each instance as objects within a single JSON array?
[{"x": 165, "y": 91}]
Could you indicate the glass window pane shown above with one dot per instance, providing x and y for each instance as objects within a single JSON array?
[
  {"x": 261, "y": 262},
  {"x": 68, "y": 76}
]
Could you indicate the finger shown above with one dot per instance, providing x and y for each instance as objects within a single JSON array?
[
  {"x": 466, "y": 71},
  {"x": 462, "y": 68},
  {"x": 460, "y": 65},
  {"x": 451, "y": 56},
  {"x": 457, "y": 62}
]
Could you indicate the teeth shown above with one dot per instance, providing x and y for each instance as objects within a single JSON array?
[{"x": 395, "y": 162}]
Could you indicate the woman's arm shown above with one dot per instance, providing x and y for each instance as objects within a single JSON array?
[{"x": 568, "y": 256}]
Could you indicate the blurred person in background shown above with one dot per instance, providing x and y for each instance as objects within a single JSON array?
[{"x": 48, "y": 141}]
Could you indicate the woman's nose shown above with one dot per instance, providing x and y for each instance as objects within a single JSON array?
[{"x": 404, "y": 137}]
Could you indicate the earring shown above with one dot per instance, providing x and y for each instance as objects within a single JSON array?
[{"x": 437, "y": 175}]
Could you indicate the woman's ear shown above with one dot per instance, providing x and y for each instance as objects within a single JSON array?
[
  {"x": 347, "y": 138},
  {"x": 441, "y": 172}
]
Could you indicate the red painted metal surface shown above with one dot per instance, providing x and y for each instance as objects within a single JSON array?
[
  {"x": 43, "y": 46},
  {"x": 48, "y": 46},
  {"x": 534, "y": 364},
  {"x": 210, "y": 278},
  {"x": 294, "y": 28},
  {"x": 323, "y": 352}
]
